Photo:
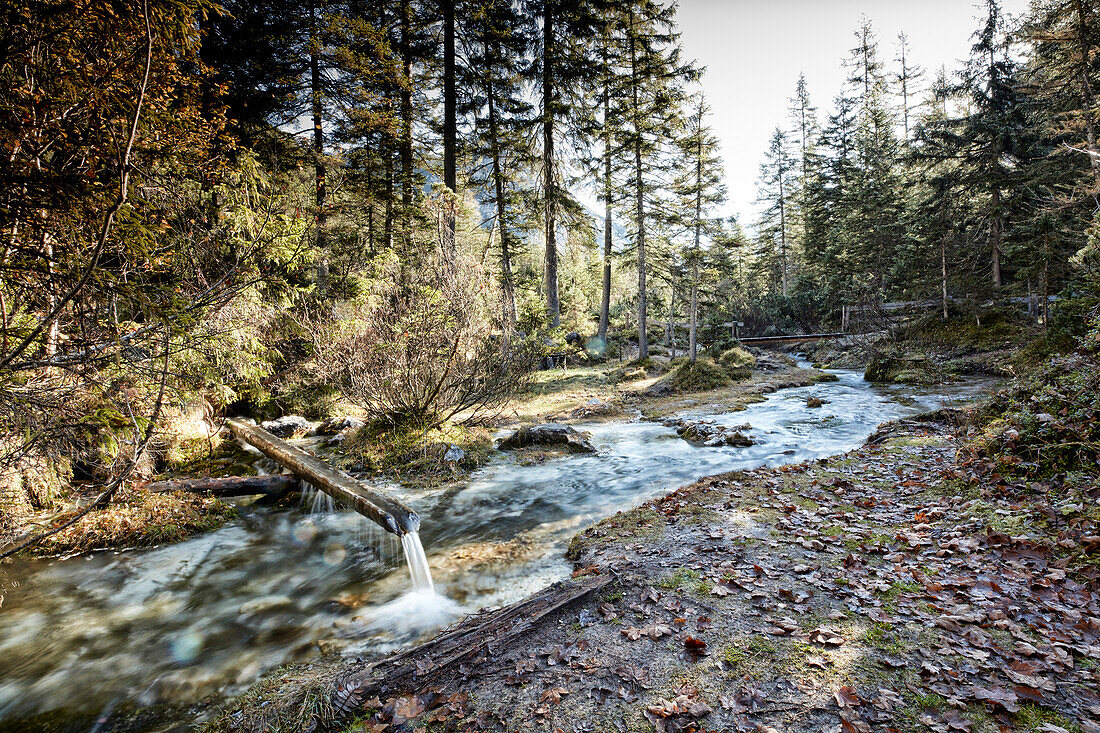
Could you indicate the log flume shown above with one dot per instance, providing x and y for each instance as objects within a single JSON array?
[{"x": 379, "y": 507}]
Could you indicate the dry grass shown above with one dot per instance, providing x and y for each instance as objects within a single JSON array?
[{"x": 138, "y": 518}]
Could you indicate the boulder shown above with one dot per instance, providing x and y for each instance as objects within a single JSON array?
[
  {"x": 739, "y": 439},
  {"x": 287, "y": 426},
  {"x": 334, "y": 425},
  {"x": 814, "y": 402},
  {"x": 548, "y": 434},
  {"x": 900, "y": 369},
  {"x": 454, "y": 454}
]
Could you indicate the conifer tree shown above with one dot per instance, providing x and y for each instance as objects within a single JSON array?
[
  {"x": 701, "y": 190},
  {"x": 654, "y": 73},
  {"x": 774, "y": 194}
]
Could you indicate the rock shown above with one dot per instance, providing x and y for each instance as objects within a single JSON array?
[
  {"x": 714, "y": 441},
  {"x": 287, "y": 426},
  {"x": 737, "y": 438},
  {"x": 548, "y": 434},
  {"x": 814, "y": 402},
  {"x": 454, "y": 454},
  {"x": 334, "y": 425},
  {"x": 900, "y": 369}
]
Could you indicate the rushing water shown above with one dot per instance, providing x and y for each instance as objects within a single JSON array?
[{"x": 207, "y": 616}]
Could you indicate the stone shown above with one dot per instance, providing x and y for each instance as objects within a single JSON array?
[
  {"x": 287, "y": 426},
  {"x": 548, "y": 434},
  {"x": 454, "y": 454},
  {"x": 334, "y": 425},
  {"x": 737, "y": 438},
  {"x": 814, "y": 402}
]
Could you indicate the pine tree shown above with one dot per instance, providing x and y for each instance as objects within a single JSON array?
[
  {"x": 701, "y": 190},
  {"x": 907, "y": 78},
  {"x": 654, "y": 73},
  {"x": 497, "y": 41},
  {"x": 774, "y": 194}
]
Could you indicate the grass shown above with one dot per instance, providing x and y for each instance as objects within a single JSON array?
[
  {"x": 138, "y": 518},
  {"x": 415, "y": 458},
  {"x": 761, "y": 657},
  {"x": 882, "y": 636}
]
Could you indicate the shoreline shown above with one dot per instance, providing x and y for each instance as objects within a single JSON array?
[{"x": 817, "y": 584}]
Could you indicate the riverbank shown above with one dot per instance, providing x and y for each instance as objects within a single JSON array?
[{"x": 884, "y": 589}]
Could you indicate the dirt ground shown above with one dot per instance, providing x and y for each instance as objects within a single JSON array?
[
  {"x": 881, "y": 590},
  {"x": 591, "y": 393}
]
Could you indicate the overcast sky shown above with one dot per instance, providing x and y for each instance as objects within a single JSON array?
[{"x": 754, "y": 51}]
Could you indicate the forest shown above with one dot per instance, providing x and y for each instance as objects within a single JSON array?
[{"x": 419, "y": 222}]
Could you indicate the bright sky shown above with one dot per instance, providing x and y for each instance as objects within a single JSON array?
[{"x": 754, "y": 51}]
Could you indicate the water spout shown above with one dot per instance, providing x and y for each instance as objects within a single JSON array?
[{"x": 417, "y": 561}]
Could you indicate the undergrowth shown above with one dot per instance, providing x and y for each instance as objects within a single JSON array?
[
  {"x": 138, "y": 518},
  {"x": 416, "y": 457}
]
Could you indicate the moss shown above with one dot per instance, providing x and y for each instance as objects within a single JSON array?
[
  {"x": 762, "y": 657},
  {"x": 701, "y": 376},
  {"x": 138, "y": 518},
  {"x": 883, "y": 636},
  {"x": 680, "y": 578},
  {"x": 737, "y": 362},
  {"x": 416, "y": 458},
  {"x": 1033, "y": 717}
]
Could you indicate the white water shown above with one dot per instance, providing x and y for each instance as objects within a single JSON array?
[{"x": 417, "y": 562}]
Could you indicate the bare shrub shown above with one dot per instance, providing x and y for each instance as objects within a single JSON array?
[{"x": 420, "y": 349}]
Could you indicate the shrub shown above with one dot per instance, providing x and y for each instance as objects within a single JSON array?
[{"x": 417, "y": 354}]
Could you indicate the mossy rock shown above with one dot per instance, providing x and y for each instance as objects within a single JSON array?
[
  {"x": 703, "y": 375},
  {"x": 900, "y": 369},
  {"x": 737, "y": 358}
]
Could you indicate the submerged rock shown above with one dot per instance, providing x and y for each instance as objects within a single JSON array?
[
  {"x": 287, "y": 426},
  {"x": 709, "y": 434},
  {"x": 548, "y": 434}
]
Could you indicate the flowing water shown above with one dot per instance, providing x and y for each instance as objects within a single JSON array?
[{"x": 207, "y": 616}]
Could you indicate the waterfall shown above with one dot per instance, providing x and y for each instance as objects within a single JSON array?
[{"x": 417, "y": 561}]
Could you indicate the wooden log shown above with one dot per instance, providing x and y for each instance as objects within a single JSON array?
[
  {"x": 419, "y": 667},
  {"x": 379, "y": 507},
  {"x": 230, "y": 485}
]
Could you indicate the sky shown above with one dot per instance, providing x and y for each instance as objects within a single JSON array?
[{"x": 754, "y": 50}]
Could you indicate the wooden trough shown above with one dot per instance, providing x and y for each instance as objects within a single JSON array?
[{"x": 379, "y": 507}]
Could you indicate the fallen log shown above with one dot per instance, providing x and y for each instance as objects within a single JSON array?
[
  {"x": 421, "y": 666},
  {"x": 379, "y": 507},
  {"x": 276, "y": 486}
]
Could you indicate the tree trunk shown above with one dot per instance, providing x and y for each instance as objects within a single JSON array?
[
  {"x": 639, "y": 203},
  {"x": 783, "y": 234},
  {"x": 693, "y": 322},
  {"x": 509, "y": 297},
  {"x": 386, "y": 511},
  {"x": 995, "y": 234},
  {"x": 450, "y": 126},
  {"x": 553, "y": 305},
  {"x": 605, "y": 298},
  {"x": 943, "y": 274},
  {"x": 320, "y": 172},
  {"x": 275, "y": 486},
  {"x": 405, "y": 214}
]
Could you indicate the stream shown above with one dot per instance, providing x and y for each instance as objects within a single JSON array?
[{"x": 206, "y": 617}]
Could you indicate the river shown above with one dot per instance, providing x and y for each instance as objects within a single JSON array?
[{"x": 206, "y": 617}]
